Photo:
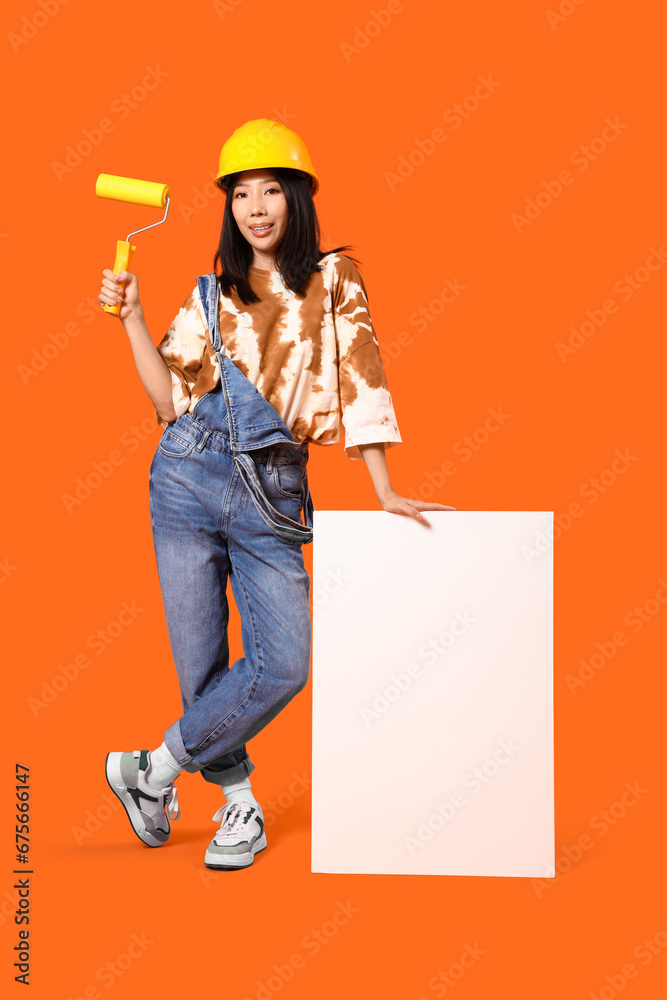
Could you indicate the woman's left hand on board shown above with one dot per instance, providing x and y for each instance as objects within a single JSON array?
[{"x": 396, "y": 504}]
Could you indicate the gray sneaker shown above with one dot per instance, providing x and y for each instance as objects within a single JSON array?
[
  {"x": 240, "y": 837},
  {"x": 147, "y": 809}
]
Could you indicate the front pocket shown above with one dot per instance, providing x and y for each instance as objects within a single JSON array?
[
  {"x": 291, "y": 480},
  {"x": 175, "y": 445},
  {"x": 284, "y": 500}
]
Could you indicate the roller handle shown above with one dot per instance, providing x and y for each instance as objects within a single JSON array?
[{"x": 124, "y": 252}]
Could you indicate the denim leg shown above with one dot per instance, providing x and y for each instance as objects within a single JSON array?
[
  {"x": 193, "y": 567},
  {"x": 271, "y": 588},
  {"x": 207, "y": 531}
]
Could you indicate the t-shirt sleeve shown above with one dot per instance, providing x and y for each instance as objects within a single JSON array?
[
  {"x": 182, "y": 349},
  {"x": 367, "y": 410}
]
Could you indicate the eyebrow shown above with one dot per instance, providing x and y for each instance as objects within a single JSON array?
[{"x": 265, "y": 181}]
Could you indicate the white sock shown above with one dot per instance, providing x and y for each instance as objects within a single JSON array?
[
  {"x": 162, "y": 768},
  {"x": 240, "y": 791}
]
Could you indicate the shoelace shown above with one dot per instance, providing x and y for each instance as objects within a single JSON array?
[
  {"x": 171, "y": 805},
  {"x": 232, "y": 815}
]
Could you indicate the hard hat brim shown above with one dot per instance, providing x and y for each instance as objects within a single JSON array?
[{"x": 314, "y": 183}]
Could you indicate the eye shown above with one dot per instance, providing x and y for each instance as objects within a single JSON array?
[{"x": 275, "y": 189}]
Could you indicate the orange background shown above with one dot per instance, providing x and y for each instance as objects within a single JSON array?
[{"x": 66, "y": 574}]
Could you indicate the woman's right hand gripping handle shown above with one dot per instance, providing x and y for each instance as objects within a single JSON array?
[{"x": 113, "y": 292}]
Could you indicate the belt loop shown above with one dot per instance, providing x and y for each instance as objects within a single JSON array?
[
  {"x": 203, "y": 441},
  {"x": 269, "y": 461}
]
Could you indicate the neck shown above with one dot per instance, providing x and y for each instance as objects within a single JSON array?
[{"x": 264, "y": 261}]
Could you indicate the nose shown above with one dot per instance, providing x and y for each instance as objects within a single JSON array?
[{"x": 257, "y": 206}]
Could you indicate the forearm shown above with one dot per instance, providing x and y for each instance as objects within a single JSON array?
[
  {"x": 153, "y": 372},
  {"x": 376, "y": 463}
]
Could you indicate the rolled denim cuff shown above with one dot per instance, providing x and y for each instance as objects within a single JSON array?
[
  {"x": 176, "y": 746},
  {"x": 231, "y": 776}
]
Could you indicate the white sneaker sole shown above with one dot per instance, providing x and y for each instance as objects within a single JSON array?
[
  {"x": 230, "y": 862},
  {"x": 119, "y": 788}
]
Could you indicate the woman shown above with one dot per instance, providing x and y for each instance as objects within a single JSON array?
[{"x": 272, "y": 354}]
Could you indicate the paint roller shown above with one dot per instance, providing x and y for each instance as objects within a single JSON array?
[{"x": 139, "y": 193}]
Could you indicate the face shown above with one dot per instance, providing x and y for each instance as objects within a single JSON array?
[{"x": 260, "y": 210}]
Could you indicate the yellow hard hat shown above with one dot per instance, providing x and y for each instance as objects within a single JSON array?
[{"x": 265, "y": 143}]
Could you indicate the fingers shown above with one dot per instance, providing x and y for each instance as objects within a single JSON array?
[
  {"x": 112, "y": 290},
  {"x": 427, "y": 506},
  {"x": 418, "y": 517},
  {"x": 409, "y": 511},
  {"x": 113, "y": 281},
  {"x": 423, "y": 505},
  {"x": 413, "y": 509},
  {"x": 418, "y": 504},
  {"x": 437, "y": 506},
  {"x": 111, "y": 296}
]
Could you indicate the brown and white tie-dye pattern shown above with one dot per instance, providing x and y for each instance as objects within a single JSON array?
[{"x": 315, "y": 358}]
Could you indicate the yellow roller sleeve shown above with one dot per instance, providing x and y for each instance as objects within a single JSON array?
[
  {"x": 132, "y": 190},
  {"x": 122, "y": 263}
]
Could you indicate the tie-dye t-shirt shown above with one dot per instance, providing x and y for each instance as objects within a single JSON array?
[{"x": 314, "y": 358}]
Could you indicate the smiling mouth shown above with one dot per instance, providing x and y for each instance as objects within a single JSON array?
[{"x": 261, "y": 229}]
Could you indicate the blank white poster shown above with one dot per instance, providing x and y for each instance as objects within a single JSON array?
[{"x": 433, "y": 693}]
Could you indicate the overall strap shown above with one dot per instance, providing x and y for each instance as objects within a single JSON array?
[{"x": 209, "y": 291}]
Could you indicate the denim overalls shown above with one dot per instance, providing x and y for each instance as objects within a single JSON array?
[
  {"x": 228, "y": 484},
  {"x": 254, "y": 424}
]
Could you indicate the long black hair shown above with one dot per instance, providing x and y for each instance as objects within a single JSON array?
[{"x": 299, "y": 254}]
